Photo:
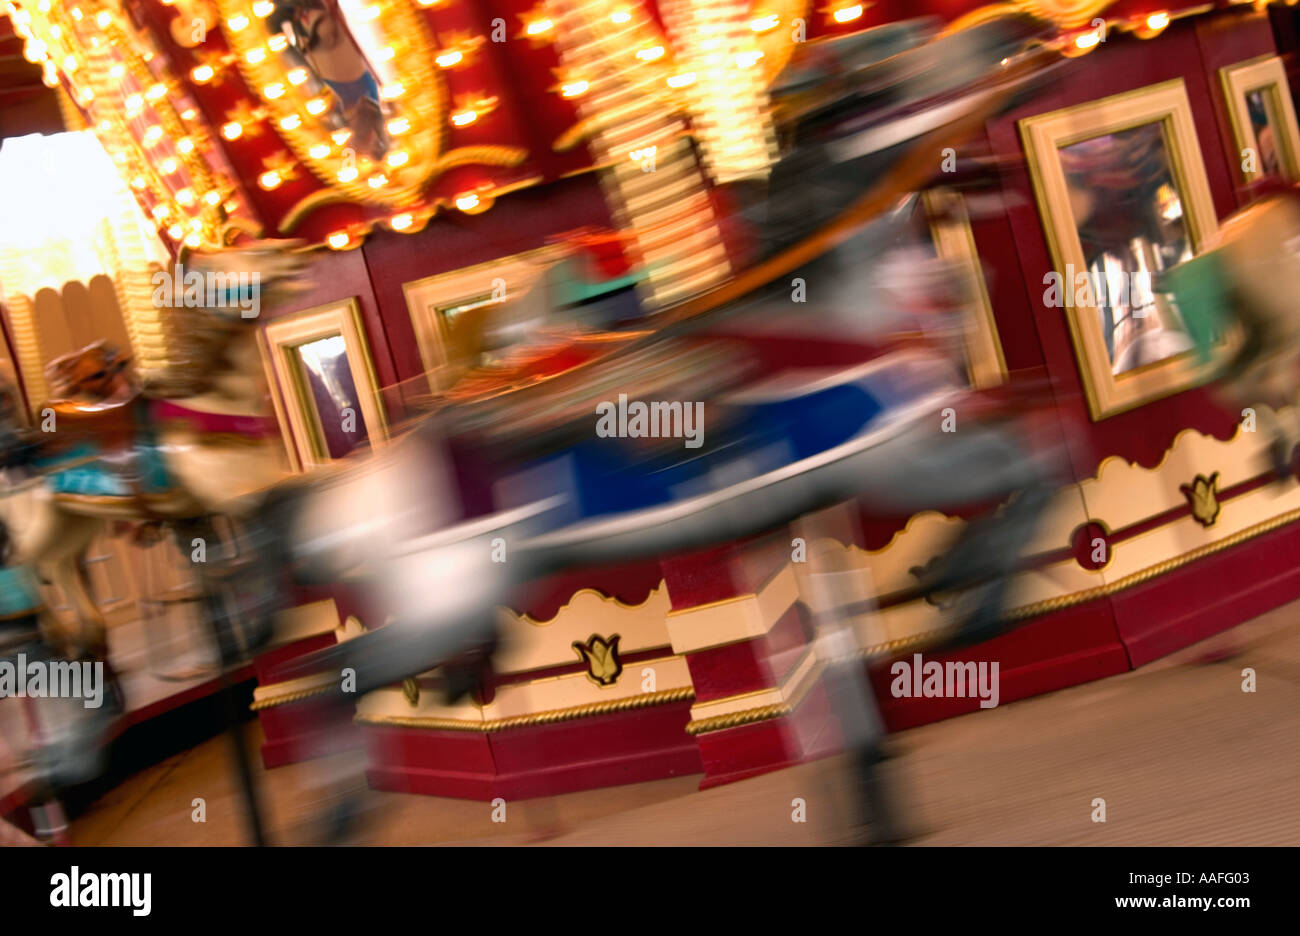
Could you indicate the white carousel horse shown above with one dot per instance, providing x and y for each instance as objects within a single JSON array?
[{"x": 51, "y": 522}]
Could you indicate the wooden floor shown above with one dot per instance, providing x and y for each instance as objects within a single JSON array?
[{"x": 1180, "y": 754}]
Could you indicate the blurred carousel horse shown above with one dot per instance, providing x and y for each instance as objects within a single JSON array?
[
  {"x": 1243, "y": 286},
  {"x": 776, "y": 448},
  {"x": 194, "y": 444},
  {"x": 188, "y": 448}
]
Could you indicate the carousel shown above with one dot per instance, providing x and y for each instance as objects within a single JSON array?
[{"x": 536, "y": 397}]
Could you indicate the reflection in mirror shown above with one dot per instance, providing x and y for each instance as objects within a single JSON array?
[
  {"x": 1262, "y": 123},
  {"x": 327, "y": 377},
  {"x": 337, "y": 57},
  {"x": 1129, "y": 214}
]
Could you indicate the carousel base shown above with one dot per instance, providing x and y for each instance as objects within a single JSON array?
[{"x": 1075, "y": 645}]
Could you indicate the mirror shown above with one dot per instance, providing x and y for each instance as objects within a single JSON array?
[{"x": 1129, "y": 213}]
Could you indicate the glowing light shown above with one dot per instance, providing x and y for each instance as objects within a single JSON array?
[
  {"x": 156, "y": 91},
  {"x": 269, "y": 180},
  {"x": 319, "y": 151},
  {"x": 117, "y": 71},
  {"x": 1087, "y": 40},
  {"x": 339, "y": 239},
  {"x": 464, "y": 118},
  {"x": 139, "y": 182},
  {"x": 392, "y": 91},
  {"x": 133, "y": 104},
  {"x": 185, "y": 145},
  {"x": 161, "y": 211},
  {"x": 185, "y": 197},
  {"x": 537, "y": 27},
  {"x": 620, "y": 16},
  {"x": 681, "y": 81},
  {"x": 400, "y": 222},
  {"x": 340, "y": 136},
  {"x": 377, "y": 181},
  {"x": 103, "y": 18},
  {"x": 762, "y": 24},
  {"x": 274, "y": 91},
  {"x": 193, "y": 240},
  {"x": 189, "y": 113},
  {"x": 153, "y": 134},
  {"x": 467, "y": 202},
  {"x": 202, "y": 74},
  {"x": 236, "y": 23},
  {"x": 369, "y": 13},
  {"x": 847, "y": 14},
  {"x": 169, "y": 165},
  {"x": 263, "y": 8},
  {"x": 1157, "y": 21},
  {"x": 386, "y": 54},
  {"x": 292, "y": 122},
  {"x": 448, "y": 59},
  {"x": 212, "y": 197},
  {"x": 398, "y": 126},
  {"x": 748, "y": 59},
  {"x": 255, "y": 56},
  {"x": 398, "y": 158},
  {"x": 650, "y": 54},
  {"x": 278, "y": 43},
  {"x": 316, "y": 106},
  {"x": 297, "y": 76},
  {"x": 70, "y": 63},
  {"x": 176, "y": 232},
  {"x": 347, "y": 174},
  {"x": 574, "y": 88},
  {"x": 233, "y": 130}
]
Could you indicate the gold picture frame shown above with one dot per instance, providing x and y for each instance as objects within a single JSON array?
[
  {"x": 294, "y": 406},
  {"x": 1165, "y": 105},
  {"x": 447, "y": 352},
  {"x": 1265, "y": 75},
  {"x": 950, "y": 229}
]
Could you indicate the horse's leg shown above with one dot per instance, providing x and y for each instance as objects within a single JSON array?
[{"x": 62, "y": 565}]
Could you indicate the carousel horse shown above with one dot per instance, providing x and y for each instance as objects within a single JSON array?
[
  {"x": 1244, "y": 282},
  {"x": 192, "y": 445},
  {"x": 776, "y": 449}
]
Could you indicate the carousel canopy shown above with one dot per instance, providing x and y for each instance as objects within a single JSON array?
[{"x": 321, "y": 119}]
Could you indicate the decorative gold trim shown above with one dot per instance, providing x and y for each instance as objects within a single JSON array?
[
  {"x": 305, "y": 206},
  {"x": 536, "y": 718},
  {"x": 1068, "y": 14},
  {"x": 1043, "y": 135},
  {"x": 1203, "y": 496},
  {"x": 1265, "y": 73}
]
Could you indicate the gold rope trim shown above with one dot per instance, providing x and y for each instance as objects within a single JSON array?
[
  {"x": 288, "y": 697},
  {"x": 537, "y": 718},
  {"x": 735, "y": 719}
]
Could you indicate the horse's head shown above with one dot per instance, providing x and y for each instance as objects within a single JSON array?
[{"x": 95, "y": 371}]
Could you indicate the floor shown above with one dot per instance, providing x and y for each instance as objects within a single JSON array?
[{"x": 1178, "y": 752}]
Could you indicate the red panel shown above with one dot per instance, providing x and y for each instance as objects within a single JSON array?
[
  {"x": 746, "y": 667},
  {"x": 1073, "y": 646},
  {"x": 1204, "y": 597},
  {"x": 543, "y": 760}
]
